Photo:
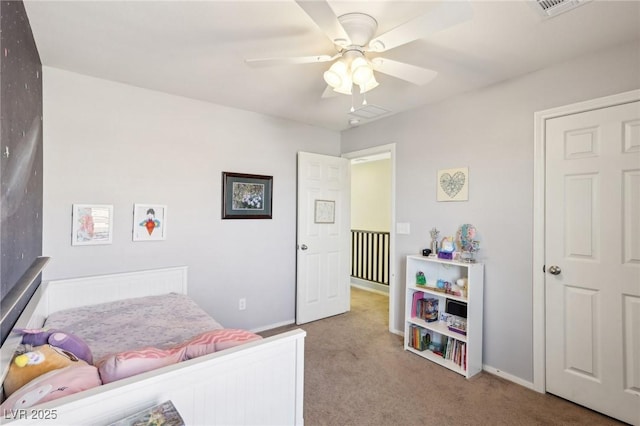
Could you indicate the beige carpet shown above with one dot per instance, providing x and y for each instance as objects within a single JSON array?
[{"x": 357, "y": 373}]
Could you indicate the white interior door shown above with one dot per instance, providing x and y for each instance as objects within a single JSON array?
[
  {"x": 323, "y": 255},
  {"x": 592, "y": 259}
]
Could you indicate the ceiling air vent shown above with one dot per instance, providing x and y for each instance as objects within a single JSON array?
[
  {"x": 369, "y": 111},
  {"x": 549, "y": 8}
]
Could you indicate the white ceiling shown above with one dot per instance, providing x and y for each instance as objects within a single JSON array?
[{"x": 198, "y": 49}]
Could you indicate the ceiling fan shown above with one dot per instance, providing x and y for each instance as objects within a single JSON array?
[{"x": 354, "y": 36}]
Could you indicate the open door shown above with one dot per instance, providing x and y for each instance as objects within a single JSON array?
[{"x": 323, "y": 256}]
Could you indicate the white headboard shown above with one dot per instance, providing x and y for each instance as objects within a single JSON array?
[{"x": 74, "y": 292}]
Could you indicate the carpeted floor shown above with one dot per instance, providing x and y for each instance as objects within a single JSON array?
[{"x": 357, "y": 373}]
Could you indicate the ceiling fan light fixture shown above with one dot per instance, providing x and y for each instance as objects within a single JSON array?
[
  {"x": 335, "y": 76},
  {"x": 369, "y": 85},
  {"x": 345, "y": 87},
  {"x": 361, "y": 71},
  {"x": 332, "y": 78}
]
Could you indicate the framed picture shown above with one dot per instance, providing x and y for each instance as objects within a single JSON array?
[
  {"x": 164, "y": 414},
  {"x": 246, "y": 196},
  {"x": 92, "y": 224},
  {"x": 149, "y": 222},
  {"x": 324, "y": 211},
  {"x": 453, "y": 184}
]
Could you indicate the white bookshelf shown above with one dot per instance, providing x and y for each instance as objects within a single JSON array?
[{"x": 461, "y": 346}]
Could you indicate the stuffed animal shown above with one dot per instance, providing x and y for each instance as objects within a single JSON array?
[
  {"x": 29, "y": 365},
  {"x": 57, "y": 338},
  {"x": 463, "y": 283}
]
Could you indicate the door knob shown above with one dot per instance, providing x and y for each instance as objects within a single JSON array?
[
  {"x": 554, "y": 270},
  {"x": 303, "y": 247}
]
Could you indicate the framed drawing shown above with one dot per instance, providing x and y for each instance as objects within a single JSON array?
[
  {"x": 453, "y": 184},
  {"x": 149, "y": 222},
  {"x": 324, "y": 211},
  {"x": 92, "y": 224},
  {"x": 164, "y": 414},
  {"x": 246, "y": 196}
]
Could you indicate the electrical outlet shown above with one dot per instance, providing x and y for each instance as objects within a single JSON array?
[{"x": 242, "y": 304}]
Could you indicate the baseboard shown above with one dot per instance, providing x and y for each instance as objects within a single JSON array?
[
  {"x": 272, "y": 326},
  {"x": 507, "y": 376},
  {"x": 370, "y": 286}
]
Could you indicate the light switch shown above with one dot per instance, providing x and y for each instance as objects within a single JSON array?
[{"x": 403, "y": 228}]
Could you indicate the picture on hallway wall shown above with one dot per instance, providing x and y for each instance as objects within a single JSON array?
[
  {"x": 91, "y": 224},
  {"x": 453, "y": 184},
  {"x": 149, "y": 222},
  {"x": 246, "y": 196}
]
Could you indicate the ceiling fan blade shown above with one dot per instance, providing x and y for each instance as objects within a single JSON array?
[
  {"x": 290, "y": 61},
  {"x": 403, "y": 71},
  {"x": 329, "y": 92},
  {"x": 445, "y": 15},
  {"x": 324, "y": 17}
]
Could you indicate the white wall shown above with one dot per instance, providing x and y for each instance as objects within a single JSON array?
[
  {"x": 491, "y": 132},
  {"x": 110, "y": 143},
  {"x": 371, "y": 195}
]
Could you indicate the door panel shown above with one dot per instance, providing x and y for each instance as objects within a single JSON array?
[
  {"x": 592, "y": 236},
  {"x": 632, "y": 348},
  {"x": 323, "y": 242},
  {"x": 580, "y": 220}
]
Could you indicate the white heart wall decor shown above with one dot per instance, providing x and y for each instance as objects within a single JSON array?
[{"x": 452, "y": 185}]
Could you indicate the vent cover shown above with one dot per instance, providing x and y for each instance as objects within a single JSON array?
[
  {"x": 549, "y": 8},
  {"x": 369, "y": 111}
]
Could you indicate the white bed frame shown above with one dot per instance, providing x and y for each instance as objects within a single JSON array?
[{"x": 260, "y": 382}]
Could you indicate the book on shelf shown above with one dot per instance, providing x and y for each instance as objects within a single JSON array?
[
  {"x": 456, "y": 351},
  {"x": 425, "y": 308},
  {"x": 419, "y": 338},
  {"x": 418, "y": 295}
]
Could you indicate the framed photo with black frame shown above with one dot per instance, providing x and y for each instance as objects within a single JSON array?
[{"x": 246, "y": 196}]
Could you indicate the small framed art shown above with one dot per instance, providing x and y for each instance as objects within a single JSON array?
[
  {"x": 246, "y": 196},
  {"x": 149, "y": 222},
  {"x": 453, "y": 184},
  {"x": 324, "y": 211},
  {"x": 92, "y": 224}
]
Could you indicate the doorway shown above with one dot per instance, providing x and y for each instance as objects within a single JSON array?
[
  {"x": 386, "y": 152},
  {"x": 587, "y": 172}
]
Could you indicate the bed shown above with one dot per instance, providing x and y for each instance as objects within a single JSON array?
[{"x": 257, "y": 382}]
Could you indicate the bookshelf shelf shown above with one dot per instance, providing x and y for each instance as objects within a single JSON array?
[
  {"x": 458, "y": 352},
  {"x": 438, "y": 327},
  {"x": 438, "y": 360}
]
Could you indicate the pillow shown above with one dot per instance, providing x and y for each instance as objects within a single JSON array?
[
  {"x": 42, "y": 359},
  {"x": 53, "y": 385},
  {"x": 217, "y": 340},
  {"x": 59, "y": 339},
  {"x": 130, "y": 363}
]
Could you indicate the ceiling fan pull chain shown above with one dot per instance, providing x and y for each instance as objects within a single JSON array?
[
  {"x": 364, "y": 98},
  {"x": 352, "y": 108}
]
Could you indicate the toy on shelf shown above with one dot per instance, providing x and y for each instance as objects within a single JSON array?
[
  {"x": 463, "y": 284},
  {"x": 420, "y": 278},
  {"x": 467, "y": 243},
  {"x": 434, "y": 242},
  {"x": 447, "y": 248}
]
